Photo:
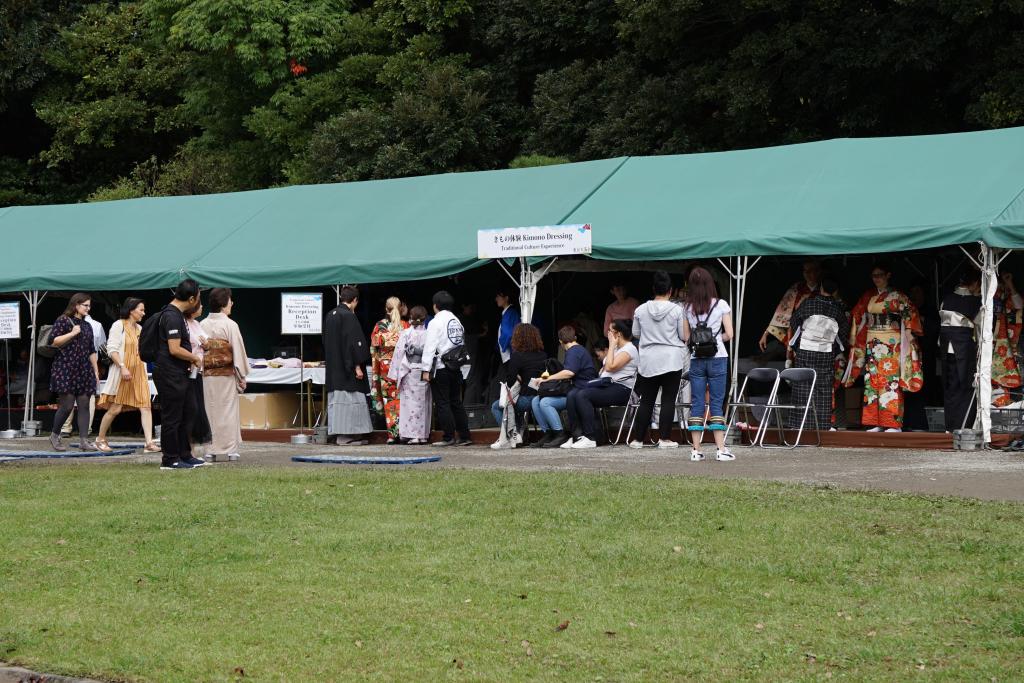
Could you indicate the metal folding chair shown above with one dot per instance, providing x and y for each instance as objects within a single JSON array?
[
  {"x": 765, "y": 375},
  {"x": 628, "y": 416},
  {"x": 792, "y": 376}
]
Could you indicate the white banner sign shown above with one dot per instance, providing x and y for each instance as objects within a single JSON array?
[
  {"x": 302, "y": 313},
  {"x": 10, "y": 320},
  {"x": 548, "y": 240}
]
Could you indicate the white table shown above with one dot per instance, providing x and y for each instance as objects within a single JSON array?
[{"x": 286, "y": 375}]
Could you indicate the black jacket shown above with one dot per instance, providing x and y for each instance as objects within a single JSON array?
[{"x": 345, "y": 348}]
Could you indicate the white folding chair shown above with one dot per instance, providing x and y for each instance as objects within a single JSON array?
[
  {"x": 766, "y": 376},
  {"x": 792, "y": 376}
]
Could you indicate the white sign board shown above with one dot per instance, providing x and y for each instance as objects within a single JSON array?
[
  {"x": 548, "y": 240},
  {"x": 302, "y": 312},
  {"x": 10, "y": 320}
]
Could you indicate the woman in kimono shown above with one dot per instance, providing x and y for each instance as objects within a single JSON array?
[
  {"x": 406, "y": 373},
  {"x": 383, "y": 341},
  {"x": 226, "y": 366},
  {"x": 883, "y": 349},
  {"x": 1009, "y": 312}
]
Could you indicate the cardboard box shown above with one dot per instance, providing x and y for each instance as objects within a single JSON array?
[{"x": 268, "y": 411}]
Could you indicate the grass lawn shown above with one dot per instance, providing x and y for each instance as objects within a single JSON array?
[{"x": 227, "y": 574}]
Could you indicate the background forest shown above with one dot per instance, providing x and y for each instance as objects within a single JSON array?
[{"x": 109, "y": 100}]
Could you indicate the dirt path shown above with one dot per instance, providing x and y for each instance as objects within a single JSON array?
[{"x": 989, "y": 475}]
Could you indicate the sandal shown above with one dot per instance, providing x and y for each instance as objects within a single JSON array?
[
  {"x": 102, "y": 445},
  {"x": 151, "y": 447}
]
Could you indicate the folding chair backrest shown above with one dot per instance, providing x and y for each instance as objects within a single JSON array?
[
  {"x": 798, "y": 375},
  {"x": 766, "y": 375}
]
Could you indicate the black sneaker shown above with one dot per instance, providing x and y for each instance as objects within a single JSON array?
[
  {"x": 196, "y": 462},
  {"x": 556, "y": 440},
  {"x": 176, "y": 465},
  {"x": 444, "y": 443}
]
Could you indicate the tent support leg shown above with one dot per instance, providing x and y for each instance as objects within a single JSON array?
[
  {"x": 743, "y": 267},
  {"x": 988, "y": 261},
  {"x": 527, "y": 284},
  {"x": 34, "y": 298}
]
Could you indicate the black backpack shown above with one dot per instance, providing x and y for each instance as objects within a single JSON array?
[
  {"x": 149, "y": 338},
  {"x": 703, "y": 340}
]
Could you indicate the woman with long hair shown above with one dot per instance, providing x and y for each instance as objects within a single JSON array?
[
  {"x": 407, "y": 372},
  {"x": 658, "y": 324},
  {"x": 383, "y": 340},
  {"x": 709, "y": 368},
  {"x": 127, "y": 386},
  {"x": 74, "y": 374}
]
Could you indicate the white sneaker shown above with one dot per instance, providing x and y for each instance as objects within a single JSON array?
[
  {"x": 232, "y": 457},
  {"x": 667, "y": 443},
  {"x": 567, "y": 444},
  {"x": 517, "y": 439},
  {"x": 875, "y": 429},
  {"x": 832, "y": 429},
  {"x": 696, "y": 456},
  {"x": 724, "y": 456},
  {"x": 584, "y": 442},
  {"x": 498, "y": 445},
  {"x": 894, "y": 430},
  {"x": 636, "y": 444}
]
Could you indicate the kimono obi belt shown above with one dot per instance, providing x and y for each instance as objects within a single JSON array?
[
  {"x": 954, "y": 319},
  {"x": 883, "y": 321},
  {"x": 818, "y": 333}
]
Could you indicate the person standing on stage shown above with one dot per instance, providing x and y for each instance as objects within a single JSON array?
[
  {"x": 347, "y": 353},
  {"x": 959, "y": 318},
  {"x": 780, "y": 326},
  {"x": 509, "y": 320},
  {"x": 820, "y": 327},
  {"x": 883, "y": 349}
]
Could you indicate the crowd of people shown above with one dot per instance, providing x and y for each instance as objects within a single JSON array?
[
  {"x": 199, "y": 370},
  {"x": 412, "y": 367}
]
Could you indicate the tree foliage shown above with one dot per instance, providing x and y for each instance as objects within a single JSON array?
[{"x": 116, "y": 99}]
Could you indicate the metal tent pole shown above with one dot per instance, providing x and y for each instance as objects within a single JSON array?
[
  {"x": 527, "y": 284},
  {"x": 34, "y": 298},
  {"x": 989, "y": 262}
]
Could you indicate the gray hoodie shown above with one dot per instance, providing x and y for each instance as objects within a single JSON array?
[{"x": 659, "y": 326}]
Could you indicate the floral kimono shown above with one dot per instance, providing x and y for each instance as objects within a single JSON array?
[
  {"x": 407, "y": 372},
  {"x": 1006, "y": 336},
  {"x": 883, "y": 348},
  {"x": 383, "y": 390},
  {"x": 791, "y": 300}
]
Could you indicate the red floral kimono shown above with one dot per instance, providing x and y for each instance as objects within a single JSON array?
[
  {"x": 1005, "y": 338},
  {"x": 383, "y": 390},
  {"x": 791, "y": 300},
  {"x": 883, "y": 348}
]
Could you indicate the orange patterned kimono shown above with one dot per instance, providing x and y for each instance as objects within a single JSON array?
[
  {"x": 383, "y": 390},
  {"x": 883, "y": 348},
  {"x": 1005, "y": 338},
  {"x": 791, "y": 300}
]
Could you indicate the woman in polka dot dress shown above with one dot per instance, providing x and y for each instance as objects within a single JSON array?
[{"x": 74, "y": 374}]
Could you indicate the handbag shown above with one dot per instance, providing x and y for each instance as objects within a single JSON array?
[{"x": 560, "y": 387}]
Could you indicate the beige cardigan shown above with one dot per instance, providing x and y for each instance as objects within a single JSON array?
[{"x": 115, "y": 344}]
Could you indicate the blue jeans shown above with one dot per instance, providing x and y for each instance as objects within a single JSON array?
[
  {"x": 709, "y": 373},
  {"x": 545, "y": 411},
  {"x": 522, "y": 405}
]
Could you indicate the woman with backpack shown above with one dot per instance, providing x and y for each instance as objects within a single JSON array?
[
  {"x": 74, "y": 374},
  {"x": 706, "y": 328},
  {"x": 658, "y": 324},
  {"x": 127, "y": 386}
]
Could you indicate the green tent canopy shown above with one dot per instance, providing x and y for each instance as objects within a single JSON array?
[{"x": 830, "y": 197}]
